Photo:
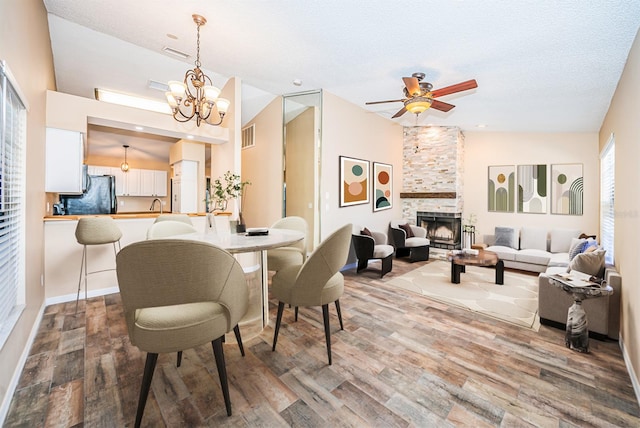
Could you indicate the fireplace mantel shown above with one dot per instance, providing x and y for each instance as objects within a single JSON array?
[{"x": 428, "y": 195}]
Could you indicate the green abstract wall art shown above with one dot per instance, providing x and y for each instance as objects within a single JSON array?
[
  {"x": 532, "y": 189},
  {"x": 501, "y": 188},
  {"x": 567, "y": 189}
]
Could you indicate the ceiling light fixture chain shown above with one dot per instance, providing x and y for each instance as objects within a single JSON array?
[{"x": 196, "y": 96}]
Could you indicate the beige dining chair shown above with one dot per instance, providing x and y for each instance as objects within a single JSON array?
[
  {"x": 176, "y": 295},
  {"x": 167, "y": 228},
  {"x": 174, "y": 217},
  {"x": 317, "y": 282},
  {"x": 95, "y": 231},
  {"x": 293, "y": 255}
]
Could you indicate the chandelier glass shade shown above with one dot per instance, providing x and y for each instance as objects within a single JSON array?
[
  {"x": 417, "y": 105},
  {"x": 196, "y": 96},
  {"x": 124, "y": 166}
]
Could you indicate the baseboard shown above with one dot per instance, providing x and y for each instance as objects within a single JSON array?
[
  {"x": 630, "y": 370},
  {"x": 15, "y": 378},
  {"x": 71, "y": 297}
]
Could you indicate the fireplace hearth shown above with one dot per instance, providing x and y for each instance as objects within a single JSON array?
[{"x": 444, "y": 230}]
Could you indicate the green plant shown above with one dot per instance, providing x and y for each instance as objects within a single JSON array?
[
  {"x": 229, "y": 186},
  {"x": 469, "y": 223}
]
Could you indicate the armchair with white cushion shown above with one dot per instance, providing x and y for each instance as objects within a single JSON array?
[
  {"x": 409, "y": 240},
  {"x": 371, "y": 245}
]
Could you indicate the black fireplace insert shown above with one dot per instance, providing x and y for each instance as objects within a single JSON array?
[{"x": 444, "y": 230}]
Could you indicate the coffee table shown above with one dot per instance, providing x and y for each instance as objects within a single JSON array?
[{"x": 483, "y": 258}]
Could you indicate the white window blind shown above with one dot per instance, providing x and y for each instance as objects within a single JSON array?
[
  {"x": 607, "y": 197},
  {"x": 13, "y": 117}
]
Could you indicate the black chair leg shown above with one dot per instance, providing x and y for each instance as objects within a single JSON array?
[
  {"x": 218, "y": 353},
  {"x": 278, "y": 319},
  {"x": 236, "y": 331},
  {"x": 339, "y": 314},
  {"x": 327, "y": 329},
  {"x": 296, "y": 316},
  {"x": 179, "y": 359},
  {"x": 149, "y": 367}
]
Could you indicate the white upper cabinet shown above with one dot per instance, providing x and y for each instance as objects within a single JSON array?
[
  {"x": 135, "y": 182},
  {"x": 64, "y": 155}
]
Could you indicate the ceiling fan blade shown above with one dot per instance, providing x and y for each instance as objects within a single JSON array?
[
  {"x": 380, "y": 102},
  {"x": 413, "y": 85},
  {"x": 402, "y": 111},
  {"x": 442, "y": 106},
  {"x": 463, "y": 86}
]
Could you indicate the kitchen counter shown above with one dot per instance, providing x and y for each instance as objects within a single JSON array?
[{"x": 125, "y": 215}]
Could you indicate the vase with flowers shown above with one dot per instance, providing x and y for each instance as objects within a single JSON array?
[{"x": 228, "y": 187}]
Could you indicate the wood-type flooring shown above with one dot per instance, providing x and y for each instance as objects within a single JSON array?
[{"x": 402, "y": 360}]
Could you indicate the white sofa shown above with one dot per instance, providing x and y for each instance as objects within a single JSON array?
[{"x": 531, "y": 249}]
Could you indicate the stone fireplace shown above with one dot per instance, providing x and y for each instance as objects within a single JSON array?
[{"x": 432, "y": 181}]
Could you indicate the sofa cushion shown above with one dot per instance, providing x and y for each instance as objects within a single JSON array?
[
  {"x": 365, "y": 232},
  {"x": 561, "y": 239},
  {"x": 591, "y": 263},
  {"x": 382, "y": 251},
  {"x": 533, "y": 238},
  {"x": 576, "y": 247},
  {"x": 560, "y": 260},
  {"x": 504, "y": 253},
  {"x": 506, "y": 237},
  {"x": 416, "y": 242},
  {"x": 536, "y": 257}
]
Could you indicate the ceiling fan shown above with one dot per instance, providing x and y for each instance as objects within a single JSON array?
[{"x": 419, "y": 95}]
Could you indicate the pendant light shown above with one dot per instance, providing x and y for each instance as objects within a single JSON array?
[{"x": 124, "y": 166}]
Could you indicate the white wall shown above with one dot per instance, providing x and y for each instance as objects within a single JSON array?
[
  {"x": 349, "y": 130},
  {"x": 622, "y": 121},
  {"x": 483, "y": 149}
]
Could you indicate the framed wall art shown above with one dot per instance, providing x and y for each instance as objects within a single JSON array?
[
  {"x": 567, "y": 189},
  {"x": 382, "y": 186},
  {"x": 354, "y": 181},
  {"x": 532, "y": 189},
  {"x": 501, "y": 188}
]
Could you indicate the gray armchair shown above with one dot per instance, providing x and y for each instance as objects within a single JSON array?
[
  {"x": 371, "y": 245},
  {"x": 409, "y": 240}
]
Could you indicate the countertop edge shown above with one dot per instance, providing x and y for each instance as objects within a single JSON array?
[{"x": 120, "y": 216}]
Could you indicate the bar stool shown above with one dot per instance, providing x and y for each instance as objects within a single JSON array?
[{"x": 95, "y": 231}]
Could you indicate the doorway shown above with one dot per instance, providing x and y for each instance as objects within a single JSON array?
[{"x": 302, "y": 116}]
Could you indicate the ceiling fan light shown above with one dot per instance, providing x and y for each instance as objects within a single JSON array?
[{"x": 418, "y": 105}]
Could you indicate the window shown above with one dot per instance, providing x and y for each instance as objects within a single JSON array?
[
  {"x": 13, "y": 118},
  {"x": 607, "y": 197}
]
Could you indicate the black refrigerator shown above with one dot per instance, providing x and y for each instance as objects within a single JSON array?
[{"x": 99, "y": 198}]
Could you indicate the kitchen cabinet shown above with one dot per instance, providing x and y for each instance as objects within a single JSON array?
[
  {"x": 136, "y": 182},
  {"x": 153, "y": 183},
  {"x": 184, "y": 197},
  {"x": 64, "y": 154}
]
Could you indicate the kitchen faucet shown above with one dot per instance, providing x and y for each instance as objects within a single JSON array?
[{"x": 153, "y": 204}]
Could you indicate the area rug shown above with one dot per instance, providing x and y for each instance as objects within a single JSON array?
[{"x": 515, "y": 302}]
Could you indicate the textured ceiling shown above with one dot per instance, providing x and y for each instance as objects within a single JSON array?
[{"x": 541, "y": 66}]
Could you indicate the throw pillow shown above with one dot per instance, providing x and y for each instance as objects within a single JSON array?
[
  {"x": 591, "y": 263},
  {"x": 588, "y": 244},
  {"x": 561, "y": 239},
  {"x": 365, "y": 231},
  {"x": 577, "y": 245},
  {"x": 533, "y": 238},
  {"x": 407, "y": 230},
  {"x": 506, "y": 237}
]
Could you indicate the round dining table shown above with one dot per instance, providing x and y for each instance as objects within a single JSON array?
[{"x": 251, "y": 252}]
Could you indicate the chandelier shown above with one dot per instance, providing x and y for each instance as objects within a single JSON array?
[{"x": 196, "y": 96}]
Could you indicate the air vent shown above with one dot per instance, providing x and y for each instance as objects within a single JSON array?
[
  {"x": 175, "y": 52},
  {"x": 249, "y": 136}
]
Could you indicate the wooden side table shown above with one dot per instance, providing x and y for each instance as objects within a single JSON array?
[{"x": 478, "y": 246}]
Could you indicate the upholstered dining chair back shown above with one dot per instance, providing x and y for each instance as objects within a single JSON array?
[
  {"x": 167, "y": 228},
  {"x": 174, "y": 217},
  {"x": 321, "y": 266},
  {"x": 294, "y": 254},
  {"x": 178, "y": 294}
]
